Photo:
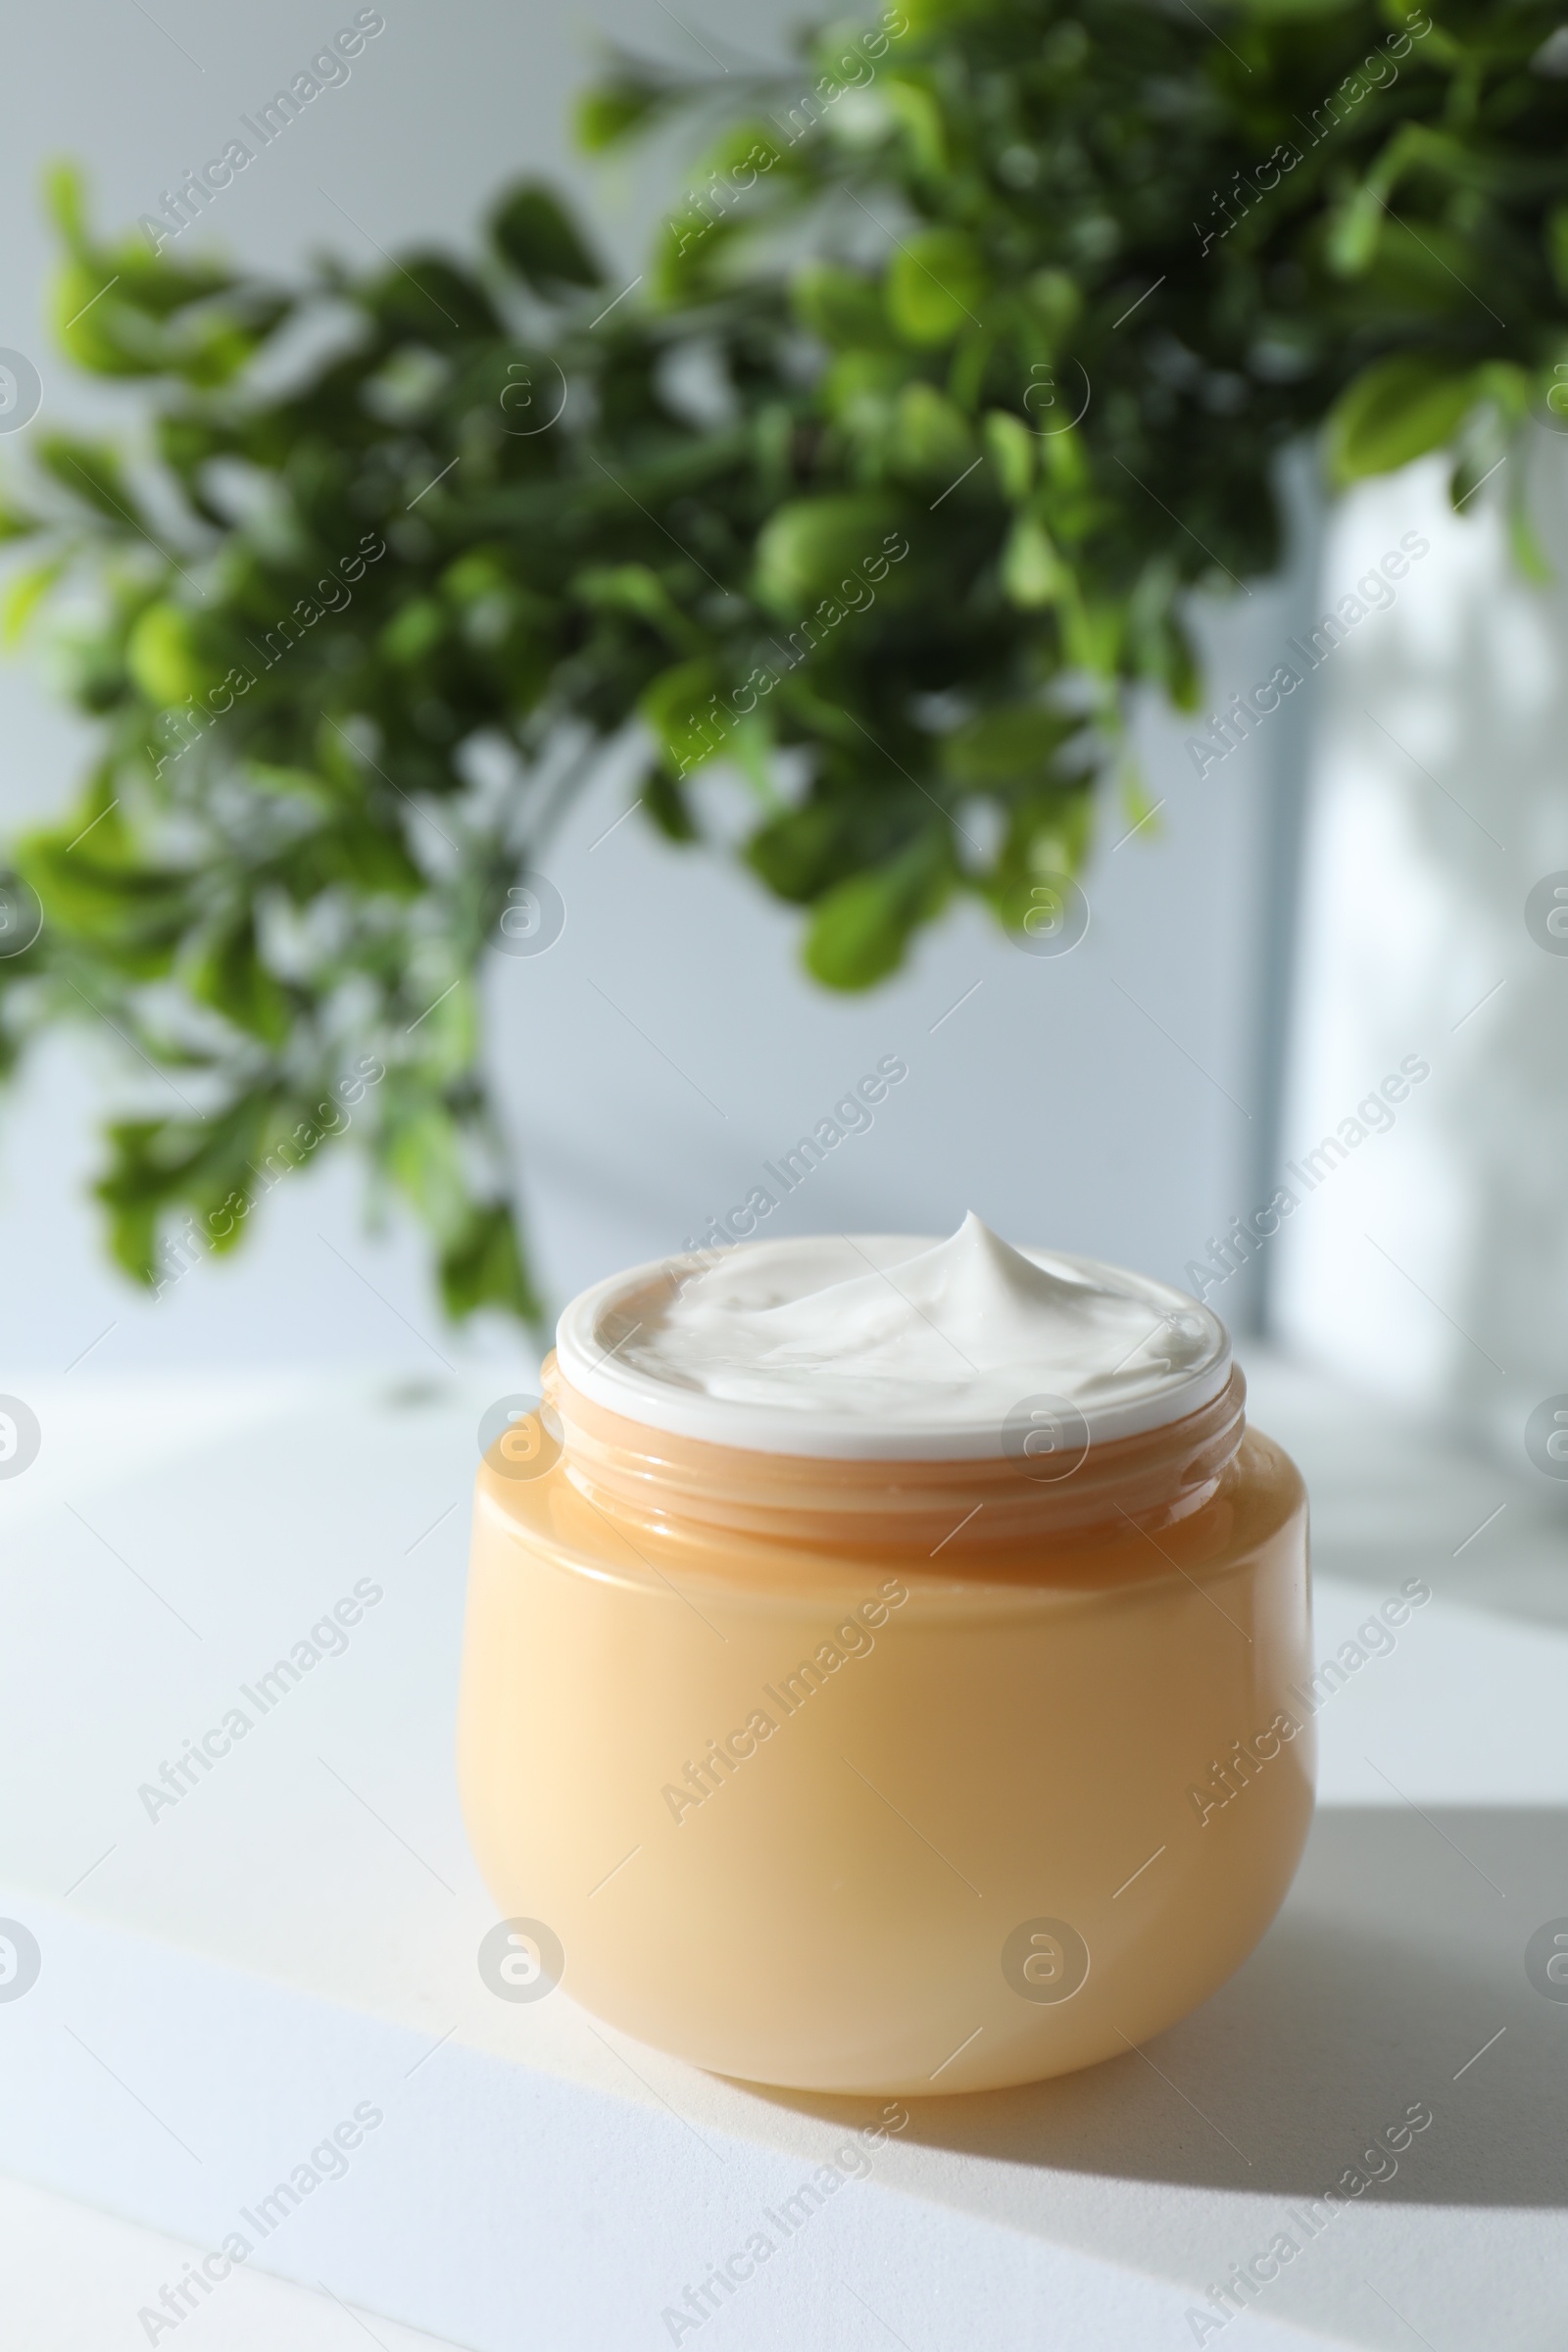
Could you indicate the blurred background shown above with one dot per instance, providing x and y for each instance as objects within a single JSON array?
[{"x": 1345, "y": 891}]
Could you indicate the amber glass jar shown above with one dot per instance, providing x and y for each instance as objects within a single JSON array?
[{"x": 887, "y": 1777}]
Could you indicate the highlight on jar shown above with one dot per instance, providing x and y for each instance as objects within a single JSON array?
[{"x": 879, "y": 1661}]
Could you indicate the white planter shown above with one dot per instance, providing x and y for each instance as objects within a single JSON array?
[{"x": 1433, "y": 1262}]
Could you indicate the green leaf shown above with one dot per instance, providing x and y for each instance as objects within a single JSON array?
[
  {"x": 1523, "y": 539},
  {"x": 918, "y": 114},
  {"x": 927, "y": 19},
  {"x": 1012, "y": 452},
  {"x": 936, "y": 283},
  {"x": 751, "y": 746},
  {"x": 1055, "y": 302},
  {"x": 23, "y": 593},
  {"x": 65, "y": 201},
  {"x": 636, "y": 588},
  {"x": 415, "y": 631},
  {"x": 1033, "y": 574},
  {"x": 482, "y": 1266},
  {"x": 131, "y": 915},
  {"x": 133, "y": 1190},
  {"x": 667, "y": 806},
  {"x": 126, "y": 312},
  {"x": 92, "y": 472},
  {"x": 1397, "y": 410},
  {"x": 930, "y": 438},
  {"x": 424, "y": 1153},
  {"x": 228, "y": 976},
  {"x": 366, "y": 856},
  {"x": 424, "y": 295},
  {"x": 683, "y": 707},
  {"x": 17, "y": 525},
  {"x": 807, "y": 547},
  {"x": 1353, "y": 239},
  {"x": 1048, "y": 836},
  {"x": 159, "y": 1165},
  {"x": 862, "y": 930},
  {"x": 532, "y": 230},
  {"x": 800, "y": 853},
  {"x": 741, "y": 157},
  {"x": 1013, "y": 742},
  {"x": 844, "y": 307},
  {"x": 164, "y": 659},
  {"x": 611, "y": 113}
]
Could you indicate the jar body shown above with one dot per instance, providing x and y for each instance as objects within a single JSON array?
[{"x": 847, "y": 1821}]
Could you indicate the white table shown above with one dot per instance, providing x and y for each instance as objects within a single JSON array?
[{"x": 223, "y": 1985}]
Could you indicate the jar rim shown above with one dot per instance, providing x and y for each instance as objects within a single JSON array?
[
  {"x": 595, "y": 1327},
  {"x": 953, "y": 1508}
]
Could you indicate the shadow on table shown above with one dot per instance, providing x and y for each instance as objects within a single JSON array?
[{"x": 1399, "y": 1956}]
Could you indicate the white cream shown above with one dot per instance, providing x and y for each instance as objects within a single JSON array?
[{"x": 887, "y": 1347}]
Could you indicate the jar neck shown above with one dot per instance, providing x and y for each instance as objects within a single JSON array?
[{"x": 963, "y": 1512}]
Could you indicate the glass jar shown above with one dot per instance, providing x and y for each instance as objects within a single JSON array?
[{"x": 902, "y": 1776}]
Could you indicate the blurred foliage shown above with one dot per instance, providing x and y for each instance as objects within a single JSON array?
[{"x": 969, "y": 357}]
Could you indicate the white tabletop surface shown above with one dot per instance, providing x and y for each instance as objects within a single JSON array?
[{"x": 219, "y": 1984}]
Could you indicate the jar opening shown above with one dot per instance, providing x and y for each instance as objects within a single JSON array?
[{"x": 879, "y": 1348}]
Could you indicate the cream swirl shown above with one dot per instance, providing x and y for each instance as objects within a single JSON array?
[{"x": 889, "y": 1347}]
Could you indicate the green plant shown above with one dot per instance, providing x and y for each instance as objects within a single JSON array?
[{"x": 856, "y": 361}]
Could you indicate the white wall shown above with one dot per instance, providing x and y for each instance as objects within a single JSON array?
[
  {"x": 1111, "y": 1102},
  {"x": 1433, "y": 1263}
]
